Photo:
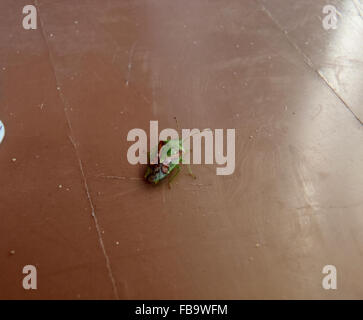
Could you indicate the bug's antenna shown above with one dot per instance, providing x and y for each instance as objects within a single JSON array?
[{"x": 177, "y": 125}]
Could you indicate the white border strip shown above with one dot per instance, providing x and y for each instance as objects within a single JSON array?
[{"x": 2, "y": 131}]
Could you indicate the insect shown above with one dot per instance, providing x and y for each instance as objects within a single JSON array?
[{"x": 168, "y": 160}]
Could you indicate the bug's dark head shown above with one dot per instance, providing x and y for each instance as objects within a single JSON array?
[
  {"x": 156, "y": 173},
  {"x": 152, "y": 178}
]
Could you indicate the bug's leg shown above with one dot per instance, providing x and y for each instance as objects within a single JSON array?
[
  {"x": 177, "y": 168},
  {"x": 147, "y": 172},
  {"x": 190, "y": 172}
]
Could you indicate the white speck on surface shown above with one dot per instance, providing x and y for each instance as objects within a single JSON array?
[
  {"x": 129, "y": 66},
  {"x": 13, "y": 159},
  {"x": 12, "y": 252},
  {"x": 60, "y": 186}
]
